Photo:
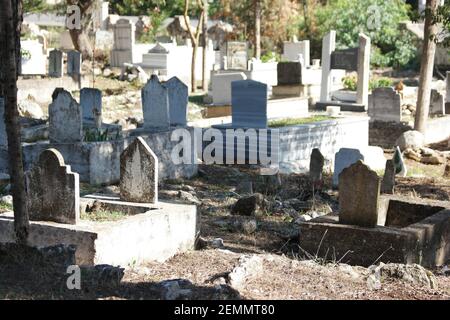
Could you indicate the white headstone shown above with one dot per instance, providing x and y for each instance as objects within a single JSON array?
[
  {"x": 328, "y": 46},
  {"x": 362, "y": 94},
  {"x": 385, "y": 105},
  {"x": 437, "y": 104},
  {"x": 221, "y": 86}
]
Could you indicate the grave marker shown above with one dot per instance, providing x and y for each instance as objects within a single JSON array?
[
  {"x": 316, "y": 164},
  {"x": 178, "y": 101},
  {"x": 55, "y": 64},
  {"x": 73, "y": 63},
  {"x": 155, "y": 104},
  {"x": 249, "y": 104},
  {"x": 289, "y": 73},
  {"x": 91, "y": 104},
  {"x": 53, "y": 190},
  {"x": 385, "y": 105},
  {"x": 437, "y": 104},
  {"x": 65, "y": 119},
  {"x": 346, "y": 59},
  {"x": 139, "y": 173},
  {"x": 359, "y": 191},
  {"x": 344, "y": 158},
  {"x": 388, "y": 183}
]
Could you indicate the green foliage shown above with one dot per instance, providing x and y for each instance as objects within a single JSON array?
[
  {"x": 34, "y": 6},
  {"x": 349, "y": 83},
  {"x": 271, "y": 56},
  {"x": 380, "y": 83},
  {"x": 97, "y": 135},
  {"x": 379, "y": 19},
  {"x": 278, "y": 123},
  {"x": 157, "y": 18},
  {"x": 146, "y": 7}
]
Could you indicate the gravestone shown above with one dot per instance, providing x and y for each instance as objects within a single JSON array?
[
  {"x": 388, "y": 183},
  {"x": 385, "y": 105},
  {"x": 359, "y": 192},
  {"x": 55, "y": 64},
  {"x": 73, "y": 63},
  {"x": 155, "y": 104},
  {"x": 362, "y": 90},
  {"x": 346, "y": 59},
  {"x": 249, "y": 104},
  {"x": 237, "y": 55},
  {"x": 437, "y": 105},
  {"x": 178, "y": 101},
  {"x": 139, "y": 173},
  {"x": 399, "y": 163},
  {"x": 291, "y": 51},
  {"x": 344, "y": 158},
  {"x": 3, "y": 136},
  {"x": 447, "y": 99},
  {"x": 124, "y": 42},
  {"x": 316, "y": 164},
  {"x": 289, "y": 73},
  {"x": 53, "y": 190},
  {"x": 328, "y": 46},
  {"x": 65, "y": 119},
  {"x": 221, "y": 86},
  {"x": 91, "y": 104}
]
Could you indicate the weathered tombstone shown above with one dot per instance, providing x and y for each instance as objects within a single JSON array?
[
  {"x": 362, "y": 91},
  {"x": 346, "y": 59},
  {"x": 178, "y": 101},
  {"x": 124, "y": 33},
  {"x": 237, "y": 55},
  {"x": 388, "y": 183},
  {"x": 344, "y": 158},
  {"x": 447, "y": 99},
  {"x": 328, "y": 46},
  {"x": 249, "y": 104},
  {"x": 139, "y": 173},
  {"x": 3, "y": 136},
  {"x": 55, "y": 64},
  {"x": 385, "y": 105},
  {"x": 53, "y": 190},
  {"x": 155, "y": 104},
  {"x": 65, "y": 119},
  {"x": 91, "y": 104},
  {"x": 437, "y": 105},
  {"x": 316, "y": 164},
  {"x": 73, "y": 63},
  {"x": 221, "y": 86},
  {"x": 399, "y": 163},
  {"x": 291, "y": 51},
  {"x": 289, "y": 73},
  {"x": 359, "y": 192}
]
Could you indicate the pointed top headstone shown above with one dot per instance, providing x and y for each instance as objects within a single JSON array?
[
  {"x": 65, "y": 119},
  {"x": 178, "y": 101},
  {"x": 155, "y": 104}
]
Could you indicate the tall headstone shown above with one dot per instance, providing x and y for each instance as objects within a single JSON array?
[
  {"x": 385, "y": 105},
  {"x": 124, "y": 41},
  {"x": 178, "y": 101},
  {"x": 447, "y": 99},
  {"x": 289, "y": 73},
  {"x": 388, "y": 183},
  {"x": 362, "y": 93},
  {"x": 65, "y": 119},
  {"x": 3, "y": 137},
  {"x": 74, "y": 63},
  {"x": 291, "y": 51},
  {"x": 221, "y": 86},
  {"x": 328, "y": 46},
  {"x": 139, "y": 173},
  {"x": 437, "y": 104},
  {"x": 53, "y": 190},
  {"x": 316, "y": 164},
  {"x": 344, "y": 158},
  {"x": 155, "y": 104},
  {"x": 359, "y": 192},
  {"x": 91, "y": 104},
  {"x": 55, "y": 64},
  {"x": 249, "y": 104}
]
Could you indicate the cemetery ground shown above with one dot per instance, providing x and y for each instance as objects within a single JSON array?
[{"x": 275, "y": 267}]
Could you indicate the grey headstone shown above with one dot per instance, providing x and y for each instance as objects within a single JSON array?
[
  {"x": 385, "y": 105},
  {"x": 388, "y": 183},
  {"x": 249, "y": 104},
  {"x": 344, "y": 158},
  {"x": 65, "y": 119},
  {"x": 359, "y": 192},
  {"x": 437, "y": 104},
  {"x": 178, "y": 101},
  {"x": 346, "y": 59},
  {"x": 155, "y": 104},
  {"x": 91, "y": 104},
  {"x": 73, "y": 63},
  {"x": 139, "y": 173},
  {"x": 53, "y": 190},
  {"x": 289, "y": 73},
  {"x": 55, "y": 64},
  {"x": 3, "y": 136},
  {"x": 316, "y": 164}
]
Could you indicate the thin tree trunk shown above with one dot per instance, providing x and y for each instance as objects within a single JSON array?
[
  {"x": 257, "y": 29},
  {"x": 193, "y": 65},
  {"x": 205, "y": 44},
  {"x": 426, "y": 69},
  {"x": 11, "y": 21}
]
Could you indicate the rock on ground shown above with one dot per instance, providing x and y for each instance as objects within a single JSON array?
[{"x": 410, "y": 139}]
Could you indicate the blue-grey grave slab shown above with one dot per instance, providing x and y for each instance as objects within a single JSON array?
[
  {"x": 3, "y": 137},
  {"x": 73, "y": 63},
  {"x": 178, "y": 101},
  {"x": 155, "y": 104},
  {"x": 55, "y": 64},
  {"x": 91, "y": 104},
  {"x": 249, "y": 104},
  {"x": 65, "y": 119},
  {"x": 344, "y": 158}
]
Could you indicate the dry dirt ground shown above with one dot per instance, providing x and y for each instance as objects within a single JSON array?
[{"x": 284, "y": 273}]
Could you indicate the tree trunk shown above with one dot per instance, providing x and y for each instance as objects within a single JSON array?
[
  {"x": 426, "y": 68},
  {"x": 81, "y": 43},
  {"x": 194, "y": 58},
  {"x": 10, "y": 26},
  {"x": 205, "y": 45},
  {"x": 257, "y": 29}
]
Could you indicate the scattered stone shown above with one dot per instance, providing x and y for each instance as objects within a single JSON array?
[
  {"x": 103, "y": 275},
  {"x": 107, "y": 73},
  {"x": 388, "y": 182},
  {"x": 217, "y": 243},
  {"x": 316, "y": 167},
  {"x": 447, "y": 171},
  {"x": 436, "y": 160},
  {"x": 245, "y": 188},
  {"x": 302, "y": 218},
  {"x": 8, "y": 199},
  {"x": 188, "y": 197},
  {"x": 410, "y": 139},
  {"x": 30, "y": 109},
  {"x": 173, "y": 289},
  {"x": 201, "y": 243},
  {"x": 244, "y": 225},
  {"x": 249, "y": 206},
  {"x": 249, "y": 266},
  {"x": 412, "y": 273}
]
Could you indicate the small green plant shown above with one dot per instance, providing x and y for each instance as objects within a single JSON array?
[
  {"x": 271, "y": 56},
  {"x": 4, "y": 207},
  {"x": 297, "y": 121},
  {"x": 26, "y": 54},
  {"x": 380, "y": 83},
  {"x": 99, "y": 135},
  {"x": 350, "y": 83},
  {"x": 103, "y": 216}
]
